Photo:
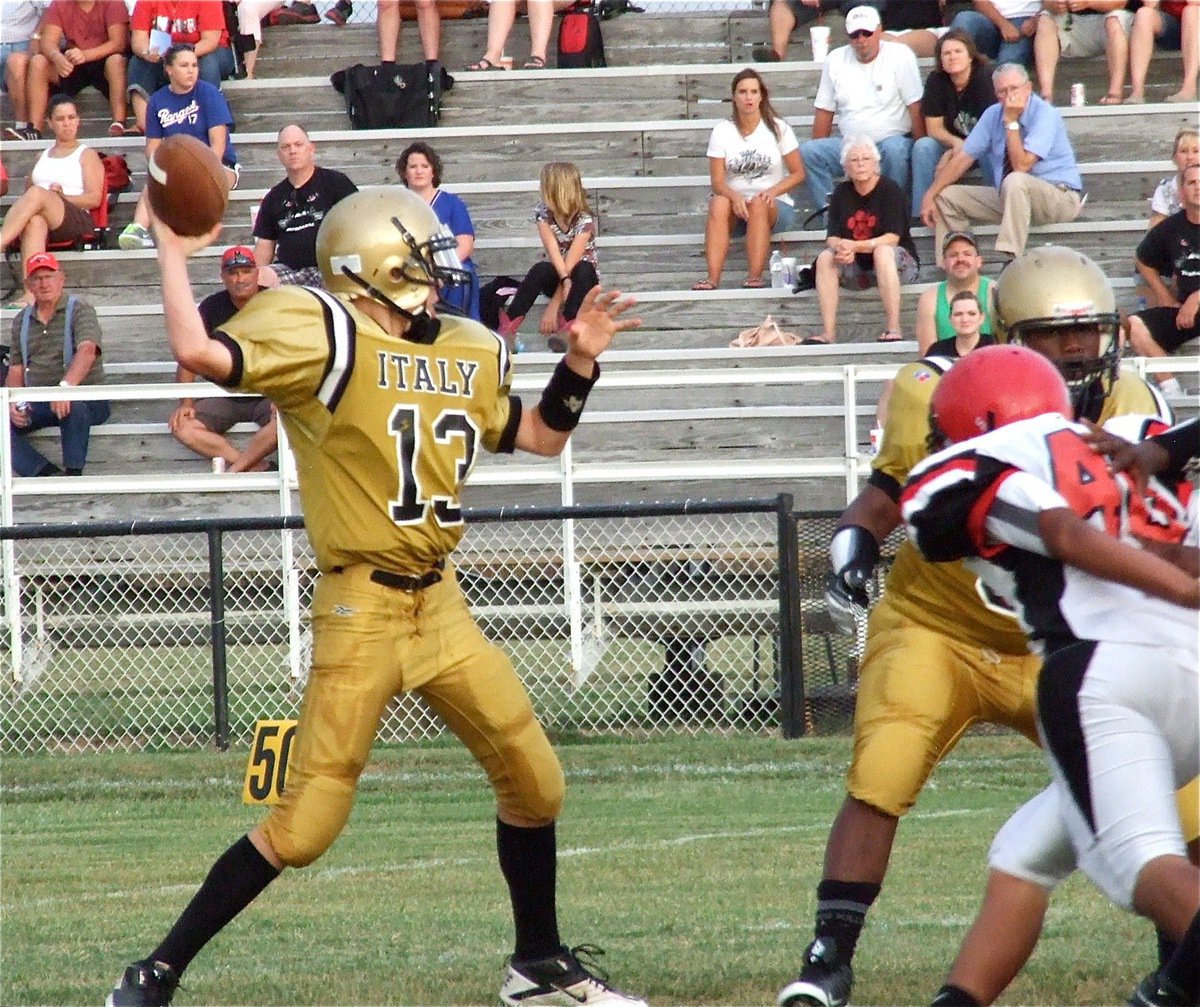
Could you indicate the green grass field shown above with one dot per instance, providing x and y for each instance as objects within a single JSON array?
[{"x": 692, "y": 861}]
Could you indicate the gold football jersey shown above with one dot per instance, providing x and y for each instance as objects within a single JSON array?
[
  {"x": 384, "y": 430},
  {"x": 946, "y": 597}
]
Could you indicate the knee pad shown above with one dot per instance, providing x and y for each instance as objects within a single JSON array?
[{"x": 304, "y": 824}]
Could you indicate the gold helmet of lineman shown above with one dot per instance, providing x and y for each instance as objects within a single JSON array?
[
  {"x": 387, "y": 244},
  {"x": 1054, "y": 288}
]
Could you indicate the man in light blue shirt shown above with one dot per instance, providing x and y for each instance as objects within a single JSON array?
[{"x": 1038, "y": 180}]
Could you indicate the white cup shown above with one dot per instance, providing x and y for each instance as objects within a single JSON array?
[{"x": 820, "y": 42}]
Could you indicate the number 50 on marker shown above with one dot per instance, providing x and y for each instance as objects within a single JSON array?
[{"x": 266, "y": 770}]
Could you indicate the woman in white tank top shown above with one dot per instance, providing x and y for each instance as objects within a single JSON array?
[{"x": 66, "y": 183}]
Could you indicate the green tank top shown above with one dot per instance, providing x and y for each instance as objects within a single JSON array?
[{"x": 941, "y": 314}]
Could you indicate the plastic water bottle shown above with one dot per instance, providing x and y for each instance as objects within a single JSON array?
[{"x": 776, "y": 269}]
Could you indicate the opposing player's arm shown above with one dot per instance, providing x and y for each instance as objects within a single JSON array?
[
  {"x": 190, "y": 344},
  {"x": 545, "y": 429},
  {"x": 1073, "y": 541}
]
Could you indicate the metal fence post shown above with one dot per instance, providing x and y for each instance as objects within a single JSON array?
[
  {"x": 8, "y": 553},
  {"x": 791, "y": 661},
  {"x": 216, "y": 602}
]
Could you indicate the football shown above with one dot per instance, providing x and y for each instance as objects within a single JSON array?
[{"x": 187, "y": 185}]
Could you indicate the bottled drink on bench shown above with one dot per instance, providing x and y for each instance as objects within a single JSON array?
[{"x": 776, "y": 269}]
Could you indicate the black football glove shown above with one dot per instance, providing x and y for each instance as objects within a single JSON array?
[{"x": 853, "y": 553}]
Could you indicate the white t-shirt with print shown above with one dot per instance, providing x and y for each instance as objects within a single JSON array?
[
  {"x": 1017, "y": 8},
  {"x": 871, "y": 99},
  {"x": 752, "y": 163}
]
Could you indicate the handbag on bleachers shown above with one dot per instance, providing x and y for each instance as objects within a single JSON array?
[{"x": 391, "y": 96}]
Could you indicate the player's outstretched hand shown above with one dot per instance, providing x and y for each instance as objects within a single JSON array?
[
  {"x": 600, "y": 318},
  {"x": 166, "y": 239},
  {"x": 1140, "y": 460}
]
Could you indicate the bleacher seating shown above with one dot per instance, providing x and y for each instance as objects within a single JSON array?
[{"x": 638, "y": 130}]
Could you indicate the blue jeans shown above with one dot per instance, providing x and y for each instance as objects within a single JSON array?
[
  {"x": 926, "y": 153},
  {"x": 823, "y": 163},
  {"x": 989, "y": 41},
  {"x": 75, "y": 428},
  {"x": 5, "y": 49},
  {"x": 146, "y": 77}
]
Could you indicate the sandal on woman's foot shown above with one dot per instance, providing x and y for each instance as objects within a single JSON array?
[
  {"x": 534, "y": 63},
  {"x": 754, "y": 284},
  {"x": 704, "y": 285},
  {"x": 891, "y": 336},
  {"x": 821, "y": 340},
  {"x": 484, "y": 64},
  {"x": 1112, "y": 99}
]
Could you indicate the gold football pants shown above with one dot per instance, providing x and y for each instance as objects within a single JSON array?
[
  {"x": 918, "y": 691},
  {"x": 371, "y": 643}
]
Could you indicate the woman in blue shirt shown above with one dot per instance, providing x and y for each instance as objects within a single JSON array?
[
  {"x": 186, "y": 105},
  {"x": 420, "y": 169}
]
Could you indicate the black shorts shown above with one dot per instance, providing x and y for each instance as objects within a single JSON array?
[
  {"x": 1160, "y": 322},
  {"x": 87, "y": 75}
]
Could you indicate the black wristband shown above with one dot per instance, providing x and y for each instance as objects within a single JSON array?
[
  {"x": 564, "y": 397},
  {"x": 563, "y": 279},
  {"x": 1181, "y": 443}
]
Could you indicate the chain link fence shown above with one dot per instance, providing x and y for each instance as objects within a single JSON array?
[{"x": 619, "y": 620}]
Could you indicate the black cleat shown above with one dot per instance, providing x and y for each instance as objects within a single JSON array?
[
  {"x": 1155, "y": 991},
  {"x": 145, "y": 984},
  {"x": 824, "y": 980}
]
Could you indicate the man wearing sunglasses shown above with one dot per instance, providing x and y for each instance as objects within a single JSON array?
[{"x": 873, "y": 88}]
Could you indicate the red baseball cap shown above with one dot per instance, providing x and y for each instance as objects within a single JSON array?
[
  {"x": 42, "y": 260},
  {"x": 237, "y": 256}
]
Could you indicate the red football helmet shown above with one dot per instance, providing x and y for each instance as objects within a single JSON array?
[{"x": 992, "y": 387}]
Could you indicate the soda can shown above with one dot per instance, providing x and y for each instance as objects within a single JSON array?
[
  {"x": 1078, "y": 95},
  {"x": 876, "y": 436}
]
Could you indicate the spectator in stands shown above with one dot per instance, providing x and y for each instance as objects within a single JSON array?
[
  {"x": 186, "y": 105},
  {"x": 962, "y": 262},
  {"x": 1038, "y": 179},
  {"x": 502, "y": 14},
  {"x": 18, "y": 30},
  {"x": 567, "y": 227},
  {"x": 873, "y": 88},
  {"x": 83, "y": 44},
  {"x": 200, "y": 425},
  {"x": 753, "y": 164},
  {"x": 1185, "y": 151},
  {"x": 387, "y": 28},
  {"x": 285, "y": 228},
  {"x": 420, "y": 169},
  {"x": 1169, "y": 25},
  {"x": 966, "y": 317},
  {"x": 1081, "y": 28},
  {"x": 55, "y": 341},
  {"x": 868, "y": 243},
  {"x": 196, "y": 22},
  {"x": 1002, "y": 29},
  {"x": 784, "y": 16},
  {"x": 1171, "y": 249},
  {"x": 957, "y": 91},
  {"x": 250, "y": 14},
  {"x": 66, "y": 183}
]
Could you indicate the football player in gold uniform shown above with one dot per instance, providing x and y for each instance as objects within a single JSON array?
[
  {"x": 940, "y": 655},
  {"x": 386, "y": 407}
]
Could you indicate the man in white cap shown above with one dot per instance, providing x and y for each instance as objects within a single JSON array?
[{"x": 874, "y": 89}]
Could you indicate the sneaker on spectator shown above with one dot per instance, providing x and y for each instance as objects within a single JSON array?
[
  {"x": 134, "y": 237},
  {"x": 25, "y": 132},
  {"x": 340, "y": 12},
  {"x": 296, "y": 13}
]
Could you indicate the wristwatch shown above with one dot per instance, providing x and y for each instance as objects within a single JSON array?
[{"x": 1012, "y": 127}]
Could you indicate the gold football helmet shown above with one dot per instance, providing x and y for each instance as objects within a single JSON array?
[
  {"x": 1053, "y": 288},
  {"x": 387, "y": 244}
]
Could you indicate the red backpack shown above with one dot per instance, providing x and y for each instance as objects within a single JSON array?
[{"x": 579, "y": 41}]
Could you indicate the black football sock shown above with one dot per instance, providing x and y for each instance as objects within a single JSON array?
[
  {"x": 841, "y": 912},
  {"x": 1183, "y": 970},
  {"x": 528, "y": 861},
  {"x": 1166, "y": 947},
  {"x": 954, "y": 996},
  {"x": 234, "y": 881}
]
